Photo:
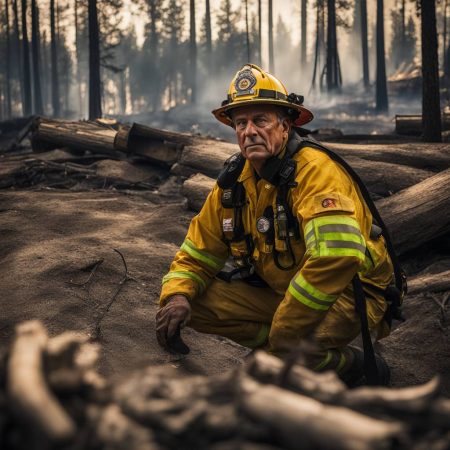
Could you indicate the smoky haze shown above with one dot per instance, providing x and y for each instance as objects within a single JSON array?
[{"x": 147, "y": 60}]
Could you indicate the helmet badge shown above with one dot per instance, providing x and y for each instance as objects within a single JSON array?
[{"x": 244, "y": 83}]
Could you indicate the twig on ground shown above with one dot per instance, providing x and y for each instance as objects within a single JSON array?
[
  {"x": 126, "y": 277},
  {"x": 443, "y": 320},
  {"x": 95, "y": 266}
]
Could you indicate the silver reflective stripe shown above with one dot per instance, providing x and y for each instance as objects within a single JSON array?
[
  {"x": 306, "y": 294},
  {"x": 309, "y": 235},
  {"x": 339, "y": 228},
  {"x": 346, "y": 244}
]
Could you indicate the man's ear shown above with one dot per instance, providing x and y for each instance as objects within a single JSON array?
[{"x": 287, "y": 125}]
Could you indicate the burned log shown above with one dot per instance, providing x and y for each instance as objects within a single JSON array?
[
  {"x": 435, "y": 157},
  {"x": 431, "y": 282},
  {"x": 419, "y": 213},
  {"x": 414, "y": 215},
  {"x": 157, "y": 146},
  {"x": 196, "y": 189},
  {"x": 208, "y": 158},
  {"x": 411, "y": 124}
]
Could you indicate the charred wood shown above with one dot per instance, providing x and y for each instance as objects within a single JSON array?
[{"x": 419, "y": 213}]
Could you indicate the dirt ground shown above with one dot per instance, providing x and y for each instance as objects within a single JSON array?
[{"x": 51, "y": 241}]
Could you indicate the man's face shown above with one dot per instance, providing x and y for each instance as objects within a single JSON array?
[{"x": 260, "y": 132}]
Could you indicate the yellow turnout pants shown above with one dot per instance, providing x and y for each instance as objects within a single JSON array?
[{"x": 244, "y": 313}]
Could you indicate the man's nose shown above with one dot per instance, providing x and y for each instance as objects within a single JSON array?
[{"x": 250, "y": 129}]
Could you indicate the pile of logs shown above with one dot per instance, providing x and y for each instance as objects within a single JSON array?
[
  {"x": 51, "y": 397},
  {"x": 410, "y": 181}
]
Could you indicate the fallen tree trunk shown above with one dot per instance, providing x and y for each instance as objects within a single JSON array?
[
  {"x": 158, "y": 146},
  {"x": 431, "y": 282},
  {"x": 419, "y": 213},
  {"x": 434, "y": 157},
  {"x": 411, "y": 124},
  {"x": 382, "y": 178},
  {"x": 413, "y": 216}
]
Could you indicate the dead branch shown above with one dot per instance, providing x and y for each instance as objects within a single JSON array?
[
  {"x": 126, "y": 277},
  {"x": 30, "y": 396},
  {"x": 83, "y": 284}
]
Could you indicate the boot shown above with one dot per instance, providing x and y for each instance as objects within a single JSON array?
[{"x": 355, "y": 377}]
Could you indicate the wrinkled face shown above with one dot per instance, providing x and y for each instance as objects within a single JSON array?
[{"x": 260, "y": 132}]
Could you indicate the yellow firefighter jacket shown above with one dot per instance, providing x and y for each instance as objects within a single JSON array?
[{"x": 335, "y": 225}]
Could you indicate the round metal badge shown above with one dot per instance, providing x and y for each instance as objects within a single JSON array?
[
  {"x": 245, "y": 81},
  {"x": 263, "y": 224}
]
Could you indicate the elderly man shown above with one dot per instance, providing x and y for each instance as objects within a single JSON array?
[{"x": 301, "y": 236}]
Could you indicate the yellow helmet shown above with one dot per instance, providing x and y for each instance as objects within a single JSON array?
[{"x": 251, "y": 86}]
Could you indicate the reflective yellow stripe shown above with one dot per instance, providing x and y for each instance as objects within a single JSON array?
[
  {"x": 309, "y": 295},
  {"x": 334, "y": 236},
  {"x": 260, "y": 338},
  {"x": 185, "y": 274},
  {"x": 325, "y": 361},
  {"x": 341, "y": 362},
  {"x": 201, "y": 255}
]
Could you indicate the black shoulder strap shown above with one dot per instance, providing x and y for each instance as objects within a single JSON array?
[
  {"x": 398, "y": 273},
  {"x": 231, "y": 171}
]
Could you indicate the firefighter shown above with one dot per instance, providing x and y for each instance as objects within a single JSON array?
[{"x": 299, "y": 232}]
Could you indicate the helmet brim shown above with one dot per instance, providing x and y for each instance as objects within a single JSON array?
[{"x": 222, "y": 113}]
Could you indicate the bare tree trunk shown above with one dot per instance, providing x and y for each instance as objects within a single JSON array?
[
  {"x": 382, "y": 103},
  {"x": 193, "y": 53},
  {"x": 208, "y": 33},
  {"x": 317, "y": 46},
  {"x": 444, "y": 34},
  {"x": 304, "y": 16},
  {"x": 153, "y": 51},
  {"x": 271, "y": 55},
  {"x": 332, "y": 52},
  {"x": 247, "y": 31},
  {"x": 35, "y": 52},
  {"x": 78, "y": 53},
  {"x": 95, "y": 102},
  {"x": 54, "y": 59},
  {"x": 27, "y": 104},
  {"x": 364, "y": 39},
  {"x": 431, "y": 110},
  {"x": 8, "y": 63},
  {"x": 18, "y": 50},
  {"x": 259, "y": 33}
]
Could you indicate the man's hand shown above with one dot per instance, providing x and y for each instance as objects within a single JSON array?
[{"x": 169, "y": 320}]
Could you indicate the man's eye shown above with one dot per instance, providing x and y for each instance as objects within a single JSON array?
[
  {"x": 260, "y": 122},
  {"x": 240, "y": 125}
]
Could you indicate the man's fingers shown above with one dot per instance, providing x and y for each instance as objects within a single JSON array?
[{"x": 172, "y": 327}]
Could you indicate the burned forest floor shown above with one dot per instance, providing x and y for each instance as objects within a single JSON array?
[{"x": 87, "y": 235}]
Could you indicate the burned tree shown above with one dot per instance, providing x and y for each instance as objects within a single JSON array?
[
  {"x": 304, "y": 6},
  {"x": 193, "y": 53},
  {"x": 271, "y": 55},
  {"x": 18, "y": 52},
  {"x": 8, "y": 62},
  {"x": 431, "y": 110},
  {"x": 27, "y": 101},
  {"x": 364, "y": 39},
  {"x": 332, "y": 67},
  {"x": 54, "y": 59},
  {"x": 95, "y": 104},
  {"x": 35, "y": 52},
  {"x": 208, "y": 35},
  {"x": 382, "y": 103}
]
